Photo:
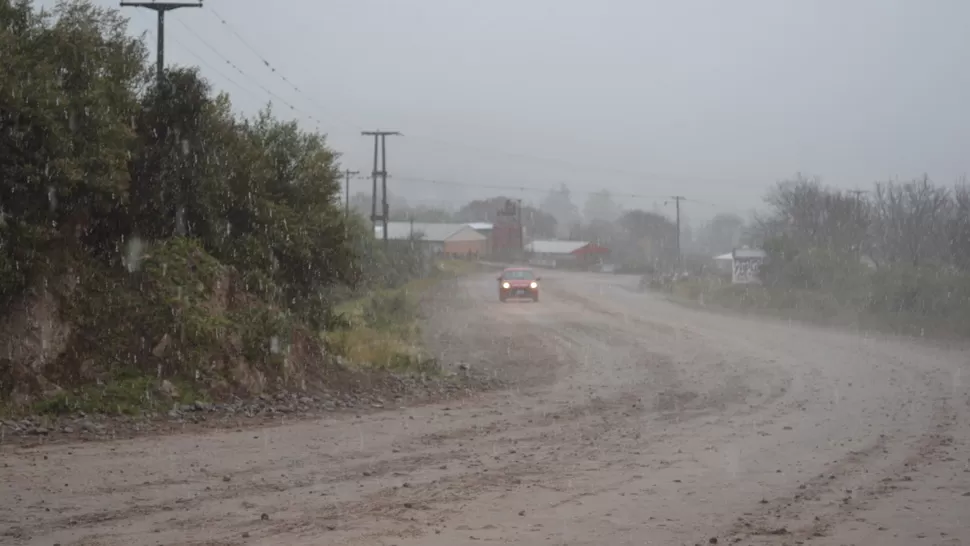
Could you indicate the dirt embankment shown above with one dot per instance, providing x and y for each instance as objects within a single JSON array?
[
  {"x": 634, "y": 420},
  {"x": 319, "y": 379}
]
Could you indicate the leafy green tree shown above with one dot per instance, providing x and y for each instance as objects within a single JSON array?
[{"x": 66, "y": 104}]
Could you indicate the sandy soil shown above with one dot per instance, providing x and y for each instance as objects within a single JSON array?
[{"x": 635, "y": 421}]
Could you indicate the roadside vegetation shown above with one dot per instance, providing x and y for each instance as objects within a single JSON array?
[
  {"x": 156, "y": 248},
  {"x": 894, "y": 258},
  {"x": 380, "y": 330}
]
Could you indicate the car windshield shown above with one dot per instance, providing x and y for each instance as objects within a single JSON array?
[{"x": 519, "y": 274}]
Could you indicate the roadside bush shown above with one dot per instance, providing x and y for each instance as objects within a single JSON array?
[
  {"x": 179, "y": 236},
  {"x": 168, "y": 305},
  {"x": 926, "y": 291}
]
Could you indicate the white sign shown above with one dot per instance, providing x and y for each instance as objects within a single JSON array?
[{"x": 746, "y": 270}]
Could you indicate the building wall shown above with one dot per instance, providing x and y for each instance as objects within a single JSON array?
[
  {"x": 466, "y": 234},
  {"x": 476, "y": 247},
  {"x": 547, "y": 259},
  {"x": 505, "y": 238},
  {"x": 487, "y": 233}
]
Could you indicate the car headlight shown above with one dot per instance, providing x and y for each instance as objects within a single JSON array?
[
  {"x": 505, "y": 285},
  {"x": 534, "y": 285}
]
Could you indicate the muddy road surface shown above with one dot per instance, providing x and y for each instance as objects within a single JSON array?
[{"x": 633, "y": 421}]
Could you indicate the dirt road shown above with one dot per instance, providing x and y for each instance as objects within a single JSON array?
[{"x": 636, "y": 421}]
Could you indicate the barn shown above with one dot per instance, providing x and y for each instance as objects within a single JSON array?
[
  {"x": 456, "y": 240},
  {"x": 580, "y": 254}
]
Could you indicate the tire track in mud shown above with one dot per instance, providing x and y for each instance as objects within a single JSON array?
[
  {"x": 674, "y": 396},
  {"x": 622, "y": 426},
  {"x": 844, "y": 489}
]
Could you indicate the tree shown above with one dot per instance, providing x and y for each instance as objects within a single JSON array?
[
  {"x": 815, "y": 216},
  {"x": 66, "y": 106},
  {"x": 176, "y": 134},
  {"x": 599, "y": 232},
  {"x": 958, "y": 227},
  {"x": 911, "y": 221},
  {"x": 722, "y": 234},
  {"x": 559, "y": 205},
  {"x": 360, "y": 202},
  {"x": 601, "y": 207},
  {"x": 140, "y": 214},
  {"x": 648, "y": 237}
]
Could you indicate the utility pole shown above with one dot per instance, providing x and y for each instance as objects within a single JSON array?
[
  {"x": 860, "y": 206},
  {"x": 512, "y": 210},
  {"x": 160, "y": 8},
  {"x": 379, "y": 138},
  {"x": 348, "y": 173},
  {"x": 680, "y": 257}
]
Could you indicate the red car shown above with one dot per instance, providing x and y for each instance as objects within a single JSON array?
[{"x": 518, "y": 282}]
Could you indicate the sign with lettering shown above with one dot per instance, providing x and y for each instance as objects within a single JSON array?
[{"x": 746, "y": 270}]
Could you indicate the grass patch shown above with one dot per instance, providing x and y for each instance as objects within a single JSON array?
[
  {"x": 457, "y": 267},
  {"x": 132, "y": 395},
  {"x": 380, "y": 330}
]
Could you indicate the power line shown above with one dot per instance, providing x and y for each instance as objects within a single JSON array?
[
  {"x": 252, "y": 92},
  {"x": 272, "y": 68},
  {"x": 248, "y": 76},
  {"x": 526, "y": 188},
  {"x": 546, "y": 191},
  {"x": 318, "y": 121},
  {"x": 241, "y": 39},
  {"x": 452, "y": 143},
  {"x": 210, "y": 66},
  {"x": 653, "y": 176},
  {"x": 405, "y": 178}
]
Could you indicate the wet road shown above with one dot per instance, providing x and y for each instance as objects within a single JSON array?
[{"x": 633, "y": 421}]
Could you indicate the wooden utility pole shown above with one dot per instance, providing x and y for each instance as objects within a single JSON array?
[
  {"x": 379, "y": 138},
  {"x": 680, "y": 256},
  {"x": 347, "y": 173},
  {"x": 160, "y": 8}
]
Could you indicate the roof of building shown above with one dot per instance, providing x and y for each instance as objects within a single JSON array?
[
  {"x": 591, "y": 248},
  {"x": 555, "y": 247},
  {"x": 749, "y": 253},
  {"x": 482, "y": 226},
  {"x": 743, "y": 252},
  {"x": 427, "y": 231}
]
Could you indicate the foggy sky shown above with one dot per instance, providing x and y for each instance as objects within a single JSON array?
[{"x": 709, "y": 99}]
